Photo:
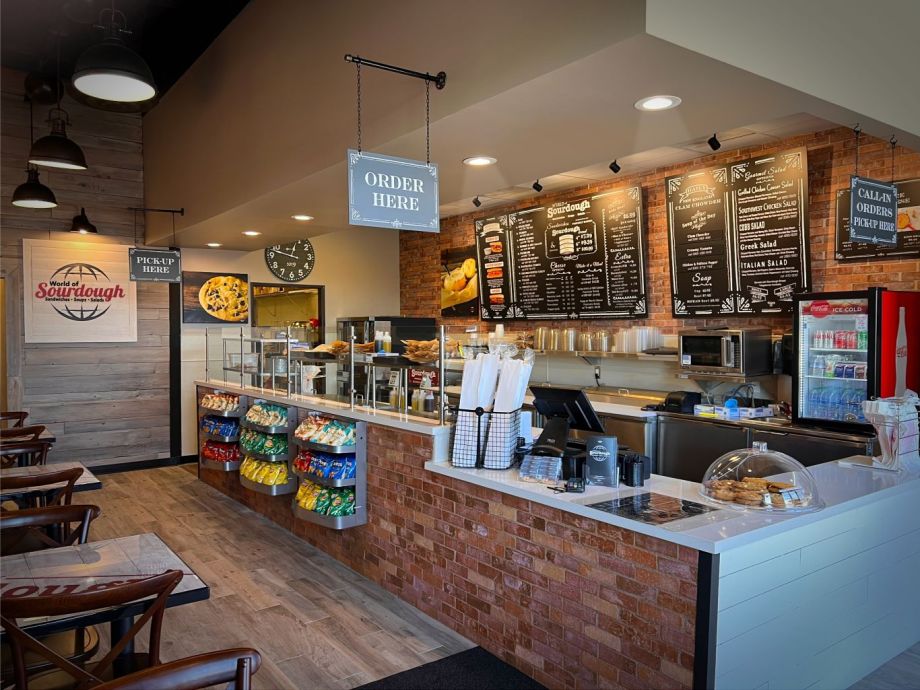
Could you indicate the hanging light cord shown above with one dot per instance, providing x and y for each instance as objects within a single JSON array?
[
  {"x": 428, "y": 122},
  {"x": 857, "y": 131},
  {"x": 358, "y": 66},
  {"x": 894, "y": 142}
]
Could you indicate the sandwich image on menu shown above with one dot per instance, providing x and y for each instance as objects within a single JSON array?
[{"x": 459, "y": 282}]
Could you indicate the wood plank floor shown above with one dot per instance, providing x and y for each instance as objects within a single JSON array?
[
  {"x": 317, "y": 623},
  {"x": 901, "y": 673}
]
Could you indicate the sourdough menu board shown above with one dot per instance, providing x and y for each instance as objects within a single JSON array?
[
  {"x": 579, "y": 258},
  {"x": 907, "y": 224},
  {"x": 738, "y": 236}
]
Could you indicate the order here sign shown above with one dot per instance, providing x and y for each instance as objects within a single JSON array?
[
  {"x": 155, "y": 265},
  {"x": 391, "y": 192}
]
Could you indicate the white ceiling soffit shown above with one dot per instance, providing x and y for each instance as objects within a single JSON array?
[
  {"x": 272, "y": 101},
  {"x": 504, "y": 98},
  {"x": 859, "y": 56}
]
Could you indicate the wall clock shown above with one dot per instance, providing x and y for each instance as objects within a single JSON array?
[{"x": 291, "y": 262}]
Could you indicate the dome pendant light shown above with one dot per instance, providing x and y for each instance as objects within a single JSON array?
[
  {"x": 82, "y": 225},
  {"x": 56, "y": 150},
  {"x": 111, "y": 71},
  {"x": 32, "y": 193}
]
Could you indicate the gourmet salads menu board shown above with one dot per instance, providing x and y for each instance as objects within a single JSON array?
[
  {"x": 579, "y": 258},
  {"x": 907, "y": 223},
  {"x": 738, "y": 236}
]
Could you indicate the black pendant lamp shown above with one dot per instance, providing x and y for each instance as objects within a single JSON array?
[
  {"x": 55, "y": 150},
  {"x": 32, "y": 193},
  {"x": 81, "y": 224},
  {"x": 110, "y": 71}
]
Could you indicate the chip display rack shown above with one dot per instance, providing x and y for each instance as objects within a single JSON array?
[{"x": 205, "y": 436}]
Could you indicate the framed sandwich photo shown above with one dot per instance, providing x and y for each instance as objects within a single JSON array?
[{"x": 215, "y": 297}]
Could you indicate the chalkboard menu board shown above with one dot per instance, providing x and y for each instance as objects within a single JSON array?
[
  {"x": 579, "y": 258},
  {"x": 737, "y": 236},
  {"x": 908, "y": 225}
]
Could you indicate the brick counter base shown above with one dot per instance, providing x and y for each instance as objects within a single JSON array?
[{"x": 569, "y": 601}]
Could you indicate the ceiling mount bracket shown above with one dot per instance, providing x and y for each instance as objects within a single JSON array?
[{"x": 439, "y": 79}]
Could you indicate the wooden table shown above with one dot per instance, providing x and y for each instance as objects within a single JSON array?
[
  {"x": 91, "y": 565},
  {"x": 87, "y": 481}
]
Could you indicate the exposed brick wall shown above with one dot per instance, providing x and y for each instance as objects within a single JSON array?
[
  {"x": 572, "y": 602},
  {"x": 831, "y": 156}
]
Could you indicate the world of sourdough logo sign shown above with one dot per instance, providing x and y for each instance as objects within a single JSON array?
[
  {"x": 81, "y": 292},
  {"x": 78, "y": 292}
]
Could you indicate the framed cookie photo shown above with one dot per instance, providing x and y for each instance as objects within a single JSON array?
[{"x": 215, "y": 297}]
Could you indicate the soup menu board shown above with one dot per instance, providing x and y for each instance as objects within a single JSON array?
[
  {"x": 738, "y": 236},
  {"x": 578, "y": 258},
  {"x": 907, "y": 223}
]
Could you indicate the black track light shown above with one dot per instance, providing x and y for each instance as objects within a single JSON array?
[
  {"x": 537, "y": 187},
  {"x": 615, "y": 167},
  {"x": 81, "y": 224},
  {"x": 476, "y": 202},
  {"x": 714, "y": 143}
]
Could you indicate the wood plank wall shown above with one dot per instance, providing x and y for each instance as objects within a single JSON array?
[{"x": 106, "y": 402}]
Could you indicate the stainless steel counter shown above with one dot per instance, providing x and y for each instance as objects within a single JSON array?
[{"x": 687, "y": 444}]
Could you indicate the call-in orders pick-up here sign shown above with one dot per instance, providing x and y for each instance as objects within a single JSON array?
[
  {"x": 391, "y": 192},
  {"x": 873, "y": 211}
]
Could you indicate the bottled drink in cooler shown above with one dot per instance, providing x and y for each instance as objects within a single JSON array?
[
  {"x": 815, "y": 407},
  {"x": 817, "y": 366},
  {"x": 831, "y": 400},
  {"x": 862, "y": 339}
]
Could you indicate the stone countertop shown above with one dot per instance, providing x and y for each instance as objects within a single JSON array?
[{"x": 841, "y": 488}]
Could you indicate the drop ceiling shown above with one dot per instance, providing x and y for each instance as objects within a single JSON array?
[{"x": 257, "y": 129}]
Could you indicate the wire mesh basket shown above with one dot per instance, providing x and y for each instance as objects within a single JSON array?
[{"x": 485, "y": 439}]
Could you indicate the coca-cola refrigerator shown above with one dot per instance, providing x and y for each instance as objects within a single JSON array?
[{"x": 849, "y": 347}]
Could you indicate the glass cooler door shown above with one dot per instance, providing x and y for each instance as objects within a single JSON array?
[{"x": 833, "y": 368}]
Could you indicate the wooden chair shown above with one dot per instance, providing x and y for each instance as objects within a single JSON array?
[
  {"x": 8, "y": 420},
  {"x": 23, "y": 453},
  {"x": 60, "y": 496},
  {"x": 66, "y": 673},
  {"x": 233, "y": 666},
  {"x": 23, "y": 529},
  {"x": 23, "y": 433},
  {"x": 35, "y": 529}
]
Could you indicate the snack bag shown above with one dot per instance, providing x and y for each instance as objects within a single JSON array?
[
  {"x": 322, "y": 501},
  {"x": 337, "y": 468},
  {"x": 350, "y": 466},
  {"x": 271, "y": 476},
  {"x": 309, "y": 502},
  {"x": 337, "y": 505}
]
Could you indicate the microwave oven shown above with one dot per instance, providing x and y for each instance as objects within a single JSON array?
[{"x": 726, "y": 351}]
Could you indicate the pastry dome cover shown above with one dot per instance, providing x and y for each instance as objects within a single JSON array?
[{"x": 761, "y": 479}]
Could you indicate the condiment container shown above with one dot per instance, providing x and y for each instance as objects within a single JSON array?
[
  {"x": 555, "y": 339},
  {"x": 541, "y": 338},
  {"x": 569, "y": 339},
  {"x": 602, "y": 341},
  {"x": 585, "y": 342}
]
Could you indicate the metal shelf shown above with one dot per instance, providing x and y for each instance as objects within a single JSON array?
[
  {"x": 228, "y": 466},
  {"x": 232, "y": 414},
  {"x": 359, "y": 517},
  {"x": 222, "y": 439},
  {"x": 323, "y": 481},
  {"x": 278, "y": 457},
  {"x": 289, "y": 487},
  {"x": 323, "y": 448},
  {"x": 834, "y": 378},
  {"x": 279, "y": 429},
  {"x": 836, "y": 349}
]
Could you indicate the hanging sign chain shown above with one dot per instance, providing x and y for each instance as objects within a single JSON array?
[
  {"x": 893, "y": 142},
  {"x": 857, "y": 131},
  {"x": 358, "y": 66},
  {"x": 428, "y": 122}
]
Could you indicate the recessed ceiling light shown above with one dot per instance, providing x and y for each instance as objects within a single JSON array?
[
  {"x": 214, "y": 244},
  {"x": 302, "y": 217},
  {"x": 657, "y": 103},
  {"x": 251, "y": 233},
  {"x": 479, "y": 161}
]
